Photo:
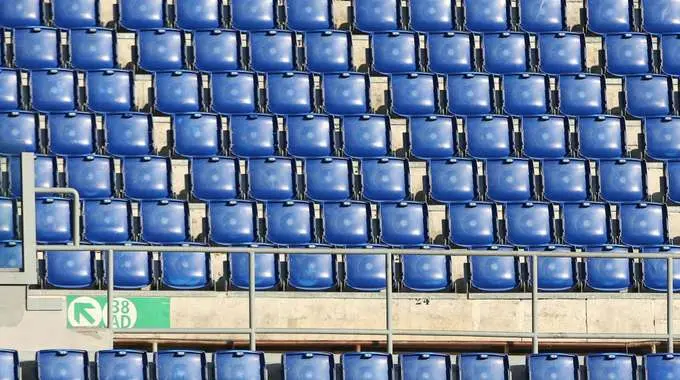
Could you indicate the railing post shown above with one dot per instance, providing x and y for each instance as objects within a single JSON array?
[
  {"x": 534, "y": 305},
  {"x": 388, "y": 305},
  {"x": 28, "y": 235},
  {"x": 109, "y": 289},
  {"x": 669, "y": 303},
  {"x": 251, "y": 299}
]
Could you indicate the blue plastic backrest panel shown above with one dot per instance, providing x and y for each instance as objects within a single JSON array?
[
  {"x": 673, "y": 181},
  {"x": 328, "y": 179},
  {"x": 365, "y": 272},
  {"x": 506, "y": 52},
  {"x": 36, "y": 48},
  {"x": 312, "y": 272},
  {"x": 475, "y": 365},
  {"x": 290, "y": 222},
  {"x": 509, "y": 180},
  {"x": 170, "y": 363},
  {"x": 11, "y": 256},
  {"x": 609, "y": 16},
  {"x": 346, "y": 93},
  {"x": 660, "y": 16},
  {"x": 91, "y": 176},
  {"x": 54, "y": 90},
  {"x": 20, "y": 132},
  {"x": 482, "y": 16},
  {"x": 60, "y": 364},
  {"x": 622, "y": 180},
  {"x": 198, "y": 14},
  {"x": 566, "y": 180},
  {"x": 10, "y": 87},
  {"x": 177, "y": 91},
  {"x": 586, "y": 223},
  {"x": 489, "y": 136},
  {"x": 128, "y": 134},
  {"x": 130, "y": 364},
  {"x": 185, "y": 271},
  {"x": 601, "y": 136},
  {"x": 545, "y": 136},
  {"x": 18, "y": 13},
  {"x": 253, "y": 14},
  {"x": 310, "y": 135},
  {"x": 432, "y": 15},
  {"x": 395, "y": 52},
  {"x": 648, "y": 95},
  {"x": 604, "y": 274},
  {"x": 582, "y": 94},
  {"x": 403, "y": 223},
  {"x": 272, "y": 50},
  {"x": 450, "y": 52},
  {"x": 70, "y": 269},
  {"x": 302, "y": 15},
  {"x": 142, "y": 14},
  {"x": 433, "y": 136},
  {"x": 107, "y": 221},
  {"x": 425, "y": 365},
  {"x": 310, "y": 365},
  {"x": 53, "y": 220},
  {"x": 197, "y": 134},
  {"x": 670, "y": 53},
  {"x": 362, "y": 365},
  {"x": 529, "y": 223},
  {"x": 217, "y": 50},
  {"x": 160, "y": 49},
  {"x": 537, "y": 16},
  {"x": 452, "y": 180},
  {"x": 494, "y": 273},
  {"x": 555, "y": 274},
  {"x": 470, "y": 93},
  {"x": 346, "y": 223},
  {"x": 658, "y": 366},
  {"x": 266, "y": 271},
  {"x": 472, "y": 223},
  {"x": 9, "y": 365},
  {"x": 561, "y": 52},
  {"x": 655, "y": 271},
  {"x": 384, "y": 179},
  {"x": 526, "y": 94},
  {"x": 628, "y": 53},
  {"x": 662, "y": 137},
  {"x": 557, "y": 366},
  {"x": 253, "y": 135},
  {"x": 271, "y": 178},
  {"x": 146, "y": 177},
  {"x": 232, "y": 222},
  {"x": 643, "y": 223},
  {"x": 7, "y": 219},
  {"x": 164, "y": 221},
  {"x": 92, "y": 48},
  {"x": 365, "y": 136},
  {"x": 426, "y": 273},
  {"x": 290, "y": 92},
  {"x": 215, "y": 178},
  {"x": 328, "y": 51},
  {"x": 45, "y": 173},
  {"x": 376, "y": 15},
  {"x": 102, "y": 83},
  {"x": 71, "y": 133},
  {"x": 132, "y": 269},
  {"x": 414, "y": 94},
  {"x": 232, "y": 365},
  {"x": 75, "y": 13}
]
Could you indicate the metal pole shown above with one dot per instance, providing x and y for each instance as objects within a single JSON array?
[
  {"x": 534, "y": 306},
  {"x": 388, "y": 305},
  {"x": 251, "y": 299},
  {"x": 669, "y": 303},
  {"x": 109, "y": 289}
]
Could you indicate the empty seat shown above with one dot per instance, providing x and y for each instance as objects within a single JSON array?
[
  {"x": 54, "y": 90},
  {"x": 670, "y": 53},
  {"x": 376, "y": 15},
  {"x": 395, "y": 52},
  {"x": 92, "y": 48},
  {"x": 506, "y": 52},
  {"x": 20, "y": 132},
  {"x": 425, "y": 365},
  {"x": 655, "y": 271},
  {"x": 609, "y": 16},
  {"x": 253, "y": 14},
  {"x": 132, "y": 269},
  {"x": 75, "y": 13},
  {"x": 100, "y": 86},
  {"x": 160, "y": 49},
  {"x": 659, "y": 366},
  {"x": 414, "y": 94},
  {"x": 529, "y": 223},
  {"x": 487, "y": 15},
  {"x": 232, "y": 222},
  {"x": 198, "y": 14},
  {"x": 272, "y": 50},
  {"x": 214, "y": 178},
  {"x": 346, "y": 223},
  {"x": 432, "y": 16},
  {"x": 12, "y": 257},
  {"x": 328, "y": 179},
  {"x": 660, "y": 16},
  {"x": 604, "y": 274},
  {"x": 432, "y": 137},
  {"x": 582, "y": 94},
  {"x": 561, "y": 53},
  {"x": 628, "y": 53},
  {"x": 450, "y": 52},
  {"x": 452, "y": 180},
  {"x": 128, "y": 134},
  {"x": 142, "y": 14},
  {"x": 36, "y": 48},
  {"x": 266, "y": 270},
  {"x": 290, "y": 222},
  {"x": 537, "y": 16},
  {"x": 253, "y": 135},
  {"x": 217, "y": 50},
  {"x": 643, "y": 223},
  {"x": 365, "y": 272},
  {"x": 384, "y": 179},
  {"x": 365, "y": 136},
  {"x": 672, "y": 171},
  {"x": 648, "y": 95},
  {"x": 271, "y": 178},
  {"x": 164, "y": 221},
  {"x": 494, "y": 273},
  {"x": 92, "y": 176},
  {"x": 425, "y": 273},
  {"x": 328, "y": 51},
  {"x": 290, "y": 93},
  {"x": 69, "y": 270},
  {"x": 509, "y": 180},
  {"x": 403, "y": 223},
  {"x": 71, "y": 133},
  {"x": 470, "y": 93},
  {"x": 489, "y": 136},
  {"x": 146, "y": 177},
  {"x": 622, "y": 180},
  {"x": 545, "y": 136},
  {"x": 362, "y": 365},
  {"x": 107, "y": 221},
  {"x": 586, "y": 223},
  {"x": 566, "y": 180},
  {"x": 472, "y": 366},
  {"x": 197, "y": 134},
  {"x": 553, "y": 366},
  {"x": 130, "y": 364},
  {"x": 184, "y": 271},
  {"x": 526, "y": 94},
  {"x": 662, "y": 137},
  {"x": 170, "y": 363},
  {"x": 312, "y": 272},
  {"x": 601, "y": 136},
  {"x": 45, "y": 173},
  {"x": 346, "y": 93},
  {"x": 310, "y": 135},
  {"x": 19, "y": 13},
  {"x": 234, "y": 363},
  {"x": 555, "y": 274},
  {"x": 177, "y": 91},
  {"x": 311, "y": 365},
  {"x": 233, "y": 92},
  {"x": 472, "y": 223},
  {"x": 53, "y": 220},
  {"x": 60, "y": 364},
  {"x": 302, "y": 15},
  {"x": 9, "y": 365},
  {"x": 7, "y": 215},
  {"x": 10, "y": 88}
]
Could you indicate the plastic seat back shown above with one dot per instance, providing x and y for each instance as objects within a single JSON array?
[
  {"x": 483, "y": 16},
  {"x": 601, "y": 137},
  {"x": 555, "y": 274},
  {"x": 12, "y": 257},
  {"x": 494, "y": 273},
  {"x": 395, "y": 52},
  {"x": 146, "y": 177},
  {"x": 472, "y": 223},
  {"x": 217, "y": 50},
  {"x": 302, "y": 15},
  {"x": 526, "y": 94},
  {"x": 670, "y": 53},
  {"x": 425, "y": 365},
  {"x": 142, "y": 14},
  {"x": 164, "y": 221},
  {"x": 346, "y": 93},
  {"x": 102, "y": 83},
  {"x": 107, "y": 221},
  {"x": 9, "y": 365},
  {"x": 536, "y": 16},
  {"x": 10, "y": 87},
  {"x": 545, "y": 136},
  {"x": 622, "y": 180},
  {"x": 253, "y": 135},
  {"x": 660, "y": 16},
  {"x": 489, "y": 136},
  {"x": 20, "y": 132},
  {"x": 91, "y": 176},
  {"x": 529, "y": 223},
  {"x": 450, "y": 52},
  {"x": 128, "y": 134},
  {"x": 586, "y": 223},
  {"x": 70, "y": 14},
  {"x": 561, "y": 52},
  {"x": 452, "y": 180},
  {"x": 130, "y": 364},
  {"x": 347, "y": 223},
  {"x": 604, "y": 274},
  {"x": 272, "y": 178},
  {"x": 53, "y": 220},
  {"x": 414, "y": 94},
  {"x": 177, "y": 91},
  {"x": 648, "y": 95},
  {"x": 266, "y": 271},
  {"x": 310, "y": 135},
  {"x": 655, "y": 271},
  {"x": 566, "y": 180},
  {"x": 403, "y": 223},
  {"x": 253, "y": 14},
  {"x": 233, "y": 364},
  {"x": 70, "y": 270},
  {"x": 470, "y": 94},
  {"x": 160, "y": 49},
  {"x": 433, "y": 137},
  {"x": 173, "y": 363},
  {"x": 328, "y": 179},
  {"x": 609, "y": 16},
  {"x": 54, "y": 90},
  {"x": 628, "y": 53},
  {"x": 290, "y": 93},
  {"x": 197, "y": 134},
  {"x": 290, "y": 222},
  {"x": 426, "y": 273},
  {"x": 36, "y": 48},
  {"x": 384, "y": 179},
  {"x": 45, "y": 173},
  {"x": 672, "y": 170},
  {"x": 661, "y": 137},
  {"x": 365, "y": 273},
  {"x": 472, "y": 366},
  {"x": 19, "y": 13},
  {"x": 224, "y": 216},
  {"x": 366, "y": 136},
  {"x": 185, "y": 271},
  {"x": 92, "y": 48},
  {"x": 361, "y": 365},
  {"x": 132, "y": 269},
  {"x": 312, "y": 365},
  {"x": 376, "y": 15},
  {"x": 71, "y": 133},
  {"x": 328, "y": 51},
  {"x": 509, "y": 180},
  {"x": 643, "y": 223},
  {"x": 273, "y": 50},
  {"x": 432, "y": 16},
  {"x": 198, "y": 14},
  {"x": 8, "y": 214},
  {"x": 506, "y": 52},
  {"x": 582, "y": 94},
  {"x": 659, "y": 366},
  {"x": 312, "y": 272},
  {"x": 59, "y": 364},
  {"x": 559, "y": 366},
  {"x": 215, "y": 178}
]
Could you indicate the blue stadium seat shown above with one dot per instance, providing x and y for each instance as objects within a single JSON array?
[
  {"x": 302, "y": 15},
  {"x": 566, "y": 180},
  {"x": 561, "y": 53},
  {"x": 164, "y": 221},
  {"x": 69, "y": 270},
  {"x": 367, "y": 365},
  {"x": 660, "y": 16},
  {"x": 235, "y": 364},
  {"x": 160, "y": 49},
  {"x": 450, "y": 52},
  {"x": 384, "y": 179},
  {"x": 9, "y": 365},
  {"x": 177, "y": 91},
  {"x": 622, "y": 180},
  {"x": 68, "y": 14},
  {"x": 603, "y": 274},
  {"x": 328, "y": 179},
  {"x": 20, "y": 132},
  {"x": 628, "y": 53},
  {"x": 367, "y": 272},
  {"x": 659, "y": 366},
  {"x": 395, "y": 52},
  {"x": 426, "y": 273},
  {"x": 197, "y": 134},
  {"x": 601, "y": 137},
  {"x": 643, "y": 223},
  {"x": 142, "y": 14},
  {"x": 266, "y": 271},
  {"x": 71, "y": 133},
  {"x": 290, "y": 222},
  {"x": 553, "y": 366},
  {"x": 586, "y": 223},
  {"x": 483, "y": 16},
  {"x": 130, "y": 364},
  {"x": 198, "y": 14},
  {"x": 403, "y": 223},
  {"x": 346, "y": 93},
  {"x": 53, "y": 220},
  {"x": 54, "y": 90},
  {"x": 36, "y": 48},
  {"x": 648, "y": 95},
  {"x": 346, "y": 223},
  {"x": 12, "y": 257},
  {"x": 272, "y": 50},
  {"x": 494, "y": 273},
  {"x": 290, "y": 93},
  {"x": 19, "y": 13},
  {"x": 232, "y": 222},
  {"x": 217, "y": 50},
  {"x": 472, "y": 223},
  {"x": 376, "y": 15},
  {"x": 91, "y": 176},
  {"x": 470, "y": 93},
  {"x": 672, "y": 171},
  {"x": 184, "y": 271},
  {"x": 311, "y": 365},
  {"x": 309, "y": 136},
  {"x": 662, "y": 137},
  {"x": 655, "y": 271},
  {"x": 107, "y": 221},
  {"x": 432, "y": 137},
  {"x": 146, "y": 177},
  {"x": 529, "y": 223},
  {"x": 582, "y": 94},
  {"x": 312, "y": 272},
  {"x": 555, "y": 274},
  {"x": 171, "y": 364},
  {"x": 365, "y": 135},
  {"x": 432, "y": 16},
  {"x": 545, "y": 136},
  {"x": 609, "y": 16},
  {"x": 214, "y": 178},
  {"x": 489, "y": 136},
  {"x": 128, "y": 134},
  {"x": 425, "y": 365},
  {"x": 509, "y": 180},
  {"x": 452, "y": 180},
  {"x": 8, "y": 213},
  {"x": 472, "y": 366},
  {"x": 253, "y": 14},
  {"x": 526, "y": 94},
  {"x": 10, "y": 88},
  {"x": 253, "y": 135},
  {"x": 670, "y": 53},
  {"x": 414, "y": 94},
  {"x": 102, "y": 83},
  {"x": 328, "y": 51},
  {"x": 506, "y": 52},
  {"x": 92, "y": 48},
  {"x": 62, "y": 364},
  {"x": 132, "y": 269},
  {"x": 45, "y": 173},
  {"x": 538, "y": 16},
  {"x": 272, "y": 178}
]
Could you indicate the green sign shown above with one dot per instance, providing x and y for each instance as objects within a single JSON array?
[{"x": 128, "y": 313}]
